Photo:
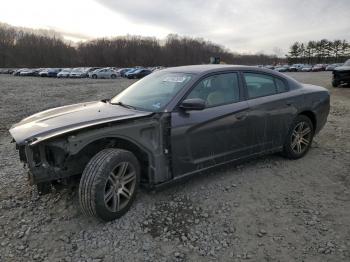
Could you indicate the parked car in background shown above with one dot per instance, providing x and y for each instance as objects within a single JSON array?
[
  {"x": 332, "y": 66},
  {"x": 282, "y": 68},
  {"x": 43, "y": 73},
  {"x": 140, "y": 73},
  {"x": 90, "y": 70},
  {"x": 121, "y": 72},
  {"x": 132, "y": 70},
  {"x": 341, "y": 74},
  {"x": 26, "y": 72},
  {"x": 18, "y": 71},
  {"x": 296, "y": 67},
  {"x": 30, "y": 72},
  {"x": 104, "y": 73},
  {"x": 166, "y": 127},
  {"x": 270, "y": 67},
  {"x": 52, "y": 72},
  {"x": 78, "y": 72},
  {"x": 64, "y": 73},
  {"x": 319, "y": 67},
  {"x": 306, "y": 68}
]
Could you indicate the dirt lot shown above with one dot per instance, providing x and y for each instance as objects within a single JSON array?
[{"x": 268, "y": 209}]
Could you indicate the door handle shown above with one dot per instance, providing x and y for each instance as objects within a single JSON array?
[{"x": 289, "y": 102}]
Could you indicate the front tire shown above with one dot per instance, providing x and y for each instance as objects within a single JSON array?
[
  {"x": 94, "y": 76},
  {"x": 109, "y": 184},
  {"x": 299, "y": 138}
]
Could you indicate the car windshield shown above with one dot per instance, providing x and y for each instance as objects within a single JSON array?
[
  {"x": 347, "y": 63},
  {"x": 153, "y": 92}
]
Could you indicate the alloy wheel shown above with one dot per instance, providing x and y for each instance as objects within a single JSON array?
[
  {"x": 120, "y": 186},
  {"x": 301, "y": 137}
]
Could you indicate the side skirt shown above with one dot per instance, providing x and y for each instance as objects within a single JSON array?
[{"x": 184, "y": 177}]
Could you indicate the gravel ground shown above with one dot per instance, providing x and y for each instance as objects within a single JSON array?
[{"x": 268, "y": 209}]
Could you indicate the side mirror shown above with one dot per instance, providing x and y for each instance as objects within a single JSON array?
[{"x": 193, "y": 104}]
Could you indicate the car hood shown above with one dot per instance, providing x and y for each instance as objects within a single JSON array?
[
  {"x": 60, "y": 120},
  {"x": 342, "y": 68}
]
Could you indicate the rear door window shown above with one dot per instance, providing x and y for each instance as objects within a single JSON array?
[
  {"x": 259, "y": 85},
  {"x": 281, "y": 85}
]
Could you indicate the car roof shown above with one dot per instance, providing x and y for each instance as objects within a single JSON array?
[
  {"x": 211, "y": 68},
  {"x": 201, "y": 70}
]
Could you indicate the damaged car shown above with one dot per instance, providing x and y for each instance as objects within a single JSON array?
[{"x": 166, "y": 127}]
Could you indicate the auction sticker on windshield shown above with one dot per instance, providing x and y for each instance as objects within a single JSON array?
[{"x": 175, "y": 79}]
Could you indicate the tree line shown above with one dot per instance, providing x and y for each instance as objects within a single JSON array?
[
  {"x": 322, "y": 51},
  {"x": 27, "y": 48}
]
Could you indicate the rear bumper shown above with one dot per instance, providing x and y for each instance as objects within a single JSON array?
[{"x": 322, "y": 114}]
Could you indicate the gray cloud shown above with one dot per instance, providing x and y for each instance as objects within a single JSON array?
[
  {"x": 65, "y": 33},
  {"x": 251, "y": 26}
]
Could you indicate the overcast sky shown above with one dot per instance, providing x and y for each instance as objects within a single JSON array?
[{"x": 248, "y": 26}]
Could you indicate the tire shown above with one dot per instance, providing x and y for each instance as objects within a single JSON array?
[
  {"x": 299, "y": 138},
  {"x": 113, "y": 76},
  {"x": 94, "y": 76},
  {"x": 335, "y": 83},
  {"x": 109, "y": 184}
]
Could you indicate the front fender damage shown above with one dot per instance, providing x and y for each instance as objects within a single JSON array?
[{"x": 65, "y": 156}]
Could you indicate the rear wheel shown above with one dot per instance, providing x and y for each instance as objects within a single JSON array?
[
  {"x": 113, "y": 76},
  {"x": 299, "y": 138},
  {"x": 109, "y": 184}
]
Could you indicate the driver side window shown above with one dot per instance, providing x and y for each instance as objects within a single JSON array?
[{"x": 217, "y": 89}]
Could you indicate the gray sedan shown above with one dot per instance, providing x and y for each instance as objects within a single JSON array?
[
  {"x": 104, "y": 73},
  {"x": 166, "y": 127}
]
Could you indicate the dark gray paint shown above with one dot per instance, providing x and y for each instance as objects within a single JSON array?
[{"x": 174, "y": 143}]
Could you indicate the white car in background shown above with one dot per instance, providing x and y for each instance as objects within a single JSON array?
[
  {"x": 64, "y": 73},
  {"x": 103, "y": 73},
  {"x": 306, "y": 68},
  {"x": 79, "y": 72}
]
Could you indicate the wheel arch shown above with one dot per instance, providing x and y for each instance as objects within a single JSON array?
[
  {"x": 91, "y": 148},
  {"x": 312, "y": 116}
]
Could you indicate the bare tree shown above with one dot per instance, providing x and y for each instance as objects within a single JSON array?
[{"x": 31, "y": 48}]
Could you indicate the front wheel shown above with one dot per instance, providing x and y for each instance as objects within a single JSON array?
[
  {"x": 94, "y": 76},
  {"x": 113, "y": 76},
  {"x": 109, "y": 184},
  {"x": 299, "y": 138}
]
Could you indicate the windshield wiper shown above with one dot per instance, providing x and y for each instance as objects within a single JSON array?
[{"x": 124, "y": 105}]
